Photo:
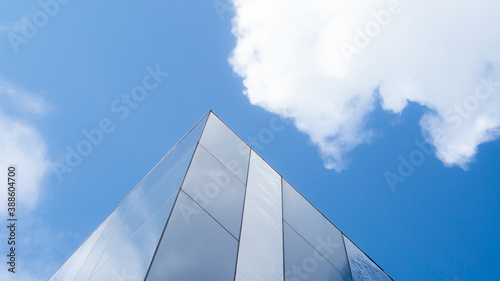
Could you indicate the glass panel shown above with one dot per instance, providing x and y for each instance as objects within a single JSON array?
[
  {"x": 165, "y": 178},
  {"x": 226, "y": 146},
  {"x": 314, "y": 227},
  {"x": 303, "y": 262},
  {"x": 171, "y": 169},
  {"x": 193, "y": 247},
  {"x": 216, "y": 190},
  {"x": 70, "y": 268},
  {"x": 132, "y": 260},
  {"x": 114, "y": 219},
  {"x": 260, "y": 255},
  {"x": 362, "y": 267},
  {"x": 160, "y": 185}
]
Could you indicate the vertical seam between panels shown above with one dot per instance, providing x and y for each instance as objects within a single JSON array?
[
  {"x": 252, "y": 151},
  {"x": 347, "y": 256},
  {"x": 283, "y": 226},
  {"x": 243, "y": 214},
  {"x": 173, "y": 206},
  {"x": 133, "y": 234},
  {"x": 163, "y": 158},
  {"x": 204, "y": 126},
  {"x": 143, "y": 179},
  {"x": 94, "y": 271},
  {"x": 161, "y": 236},
  {"x": 337, "y": 228}
]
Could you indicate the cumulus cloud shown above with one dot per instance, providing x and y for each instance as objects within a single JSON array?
[
  {"x": 327, "y": 63},
  {"x": 21, "y": 144}
]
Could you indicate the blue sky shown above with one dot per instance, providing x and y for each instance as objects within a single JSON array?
[{"x": 439, "y": 221}]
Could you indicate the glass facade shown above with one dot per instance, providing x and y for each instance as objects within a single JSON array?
[
  {"x": 315, "y": 229},
  {"x": 260, "y": 255},
  {"x": 213, "y": 209}
]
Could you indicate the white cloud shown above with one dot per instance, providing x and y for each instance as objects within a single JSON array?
[
  {"x": 22, "y": 145},
  {"x": 320, "y": 62}
]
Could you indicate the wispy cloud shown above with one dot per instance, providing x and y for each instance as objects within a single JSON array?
[
  {"x": 21, "y": 144},
  {"x": 321, "y": 62},
  {"x": 15, "y": 97}
]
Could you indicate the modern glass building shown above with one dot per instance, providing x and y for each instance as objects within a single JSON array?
[{"x": 214, "y": 210}]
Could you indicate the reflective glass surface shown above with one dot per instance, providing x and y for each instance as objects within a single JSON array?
[
  {"x": 226, "y": 146},
  {"x": 157, "y": 188},
  {"x": 314, "y": 227},
  {"x": 70, "y": 268},
  {"x": 131, "y": 261},
  {"x": 216, "y": 190},
  {"x": 303, "y": 262},
  {"x": 362, "y": 267},
  {"x": 260, "y": 255},
  {"x": 229, "y": 193},
  {"x": 114, "y": 220},
  {"x": 170, "y": 170},
  {"x": 193, "y": 247},
  {"x": 53, "y": 276},
  {"x": 160, "y": 185}
]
